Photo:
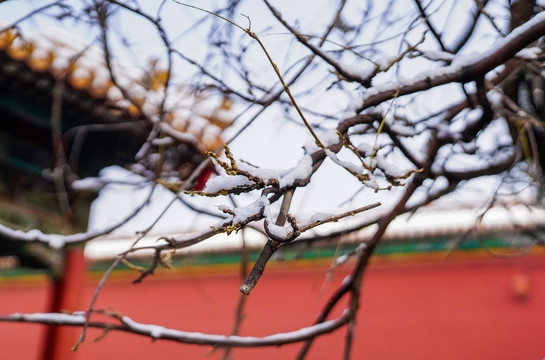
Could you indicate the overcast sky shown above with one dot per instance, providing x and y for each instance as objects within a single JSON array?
[{"x": 271, "y": 142}]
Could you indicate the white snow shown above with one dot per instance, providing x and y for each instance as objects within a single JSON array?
[
  {"x": 89, "y": 184},
  {"x": 358, "y": 70},
  {"x": 35, "y": 235},
  {"x": 402, "y": 130},
  {"x": 437, "y": 55},
  {"x": 285, "y": 178},
  {"x": 282, "y": 232},
  {"x": 156, "y": 331},
  {"x": 57, "y": 318},
  {"x": 265, "y": 174},
  {"x": 346, "y": 280},
  {"x": 389, "y": 168},
  {"x": 225, "y": 182},
  {"x": 341, "y": 259},
  {"x": 319, "y": 217},
  {"x": 384, "y": 62},
  {"x": 345, "y": 164},
  {"x": 365, "y": 148},
  {"x": 329, "y": 138},
  {"x": 344, "y": 258},
  {"x": 495, "y": 98},
  {"x": 302, "y": 170},
  {"x": 529, "y": 53},
  {"x": 164, "y": 141},
  {"x": 457, "y": 64},
  {"x": 243, "y": 213}
]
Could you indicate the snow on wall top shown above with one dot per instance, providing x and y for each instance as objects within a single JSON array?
[{"x": 426, "y": 223}]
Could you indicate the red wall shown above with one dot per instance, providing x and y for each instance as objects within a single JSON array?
[{"x": 455, "y": 309}]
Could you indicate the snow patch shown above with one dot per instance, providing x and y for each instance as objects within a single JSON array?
[
  {"x": 319, "y": 217},
  {"x": 226, "y": 182}
]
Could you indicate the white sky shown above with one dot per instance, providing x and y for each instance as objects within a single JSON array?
[{"x": 270, "y": 142}]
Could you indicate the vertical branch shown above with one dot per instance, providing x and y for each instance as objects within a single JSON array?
[
  {"x": 270, "y": 248},
  {"x": 251, "y": 281},
  {"x": 58, "y": 147}
]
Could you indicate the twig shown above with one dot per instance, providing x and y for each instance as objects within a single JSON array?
[{"x": 58, "y": 147}]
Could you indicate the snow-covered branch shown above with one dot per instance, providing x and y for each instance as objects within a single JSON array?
[
  {"x": 157, "y": 332},
  {"x": 58, "y": 241},
  {"x": 464, "y": 68}
]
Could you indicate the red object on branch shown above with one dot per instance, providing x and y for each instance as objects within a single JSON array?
[{"x": 203, "y": 178}]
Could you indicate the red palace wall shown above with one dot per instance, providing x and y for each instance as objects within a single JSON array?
[{"x": 450, "y": 309}]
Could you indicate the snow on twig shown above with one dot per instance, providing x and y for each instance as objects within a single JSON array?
[
  {"x": 58, "y": 241},
  {"x": 55, "y": 241}
]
